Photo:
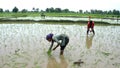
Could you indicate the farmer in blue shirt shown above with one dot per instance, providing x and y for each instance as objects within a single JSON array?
[{"x": 62, "y": 37}]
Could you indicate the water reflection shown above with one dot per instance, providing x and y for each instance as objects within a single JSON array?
[
  {"x": 52, "y": 63},
  {"x": 89, "y": 39}
]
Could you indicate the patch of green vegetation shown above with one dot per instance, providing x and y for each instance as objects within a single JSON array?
[
  {"x": 49, "y": 52},
  {"x": 34, "y": 14},
  {"x": 37, "y": 66},
  {"x": 19, "y": 14},
  {"x": 105, "y": 53}
]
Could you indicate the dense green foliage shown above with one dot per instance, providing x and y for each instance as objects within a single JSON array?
[
  {"x": 58, "y": 12},
  {"x": 15, "y": 9}
]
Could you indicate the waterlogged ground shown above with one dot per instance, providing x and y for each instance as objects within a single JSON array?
[
  {"x": 111, "y": 21},
  {"x": 24, "y": 46}
]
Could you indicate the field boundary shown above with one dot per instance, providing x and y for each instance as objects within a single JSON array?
[{"x": 42, "y": 20}]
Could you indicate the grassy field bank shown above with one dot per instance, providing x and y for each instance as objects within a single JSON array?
[
  {"x": 34, "y": 14},
  {"x": 52, "y": 22},
  {"x": 12, "y": 17}
]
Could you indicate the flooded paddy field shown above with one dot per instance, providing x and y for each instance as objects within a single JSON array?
[{"x": 25, "y": 46}]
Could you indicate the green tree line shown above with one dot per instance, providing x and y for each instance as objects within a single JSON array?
[{"x": 59, "y": 10}]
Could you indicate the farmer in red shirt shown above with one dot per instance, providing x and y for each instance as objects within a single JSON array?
[{"x": 90, "y": 25}]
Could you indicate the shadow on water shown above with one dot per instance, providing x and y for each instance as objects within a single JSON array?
[
  {"x": 89, "y": 39},
  {"x": 53, "y": 63}
]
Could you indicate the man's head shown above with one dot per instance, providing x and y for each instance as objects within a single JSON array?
[
  {"x": 89, "y": 18},
  {"x": 49, "y": 37}
]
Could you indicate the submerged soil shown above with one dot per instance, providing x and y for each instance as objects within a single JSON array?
[{"x": 25, "y": 46}]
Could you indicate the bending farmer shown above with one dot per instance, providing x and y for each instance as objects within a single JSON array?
[{"x": 62, "y": 37}]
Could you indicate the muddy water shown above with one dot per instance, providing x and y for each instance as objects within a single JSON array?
[{"x": 24, "y": 46}]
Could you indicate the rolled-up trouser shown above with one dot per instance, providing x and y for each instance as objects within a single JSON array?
[{"x": 64, "y": 43}]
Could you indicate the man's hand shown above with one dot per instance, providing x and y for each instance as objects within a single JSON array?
[
  {"x": 49, "y": 52},
  {"x": 55, "y": 47}
]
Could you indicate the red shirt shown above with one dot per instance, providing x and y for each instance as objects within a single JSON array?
[{"x": 90, "y": 25}]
